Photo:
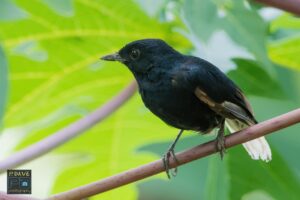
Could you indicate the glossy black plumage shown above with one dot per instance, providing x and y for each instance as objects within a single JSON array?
[
  {"x": 189, "y": 93},
  {"x": 167, "y": 81}
]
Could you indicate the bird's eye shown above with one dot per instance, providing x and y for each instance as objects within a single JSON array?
[{"x": 135, "y": 54}]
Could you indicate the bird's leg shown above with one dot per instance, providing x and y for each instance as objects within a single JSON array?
[
  {"x": 170, "y": 153},
  {"x": 220, "y": 140}
]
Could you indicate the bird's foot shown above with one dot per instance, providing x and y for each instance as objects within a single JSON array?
[
  {"x": 166, "y": 162},
  {"x": 220, "y": 145}
]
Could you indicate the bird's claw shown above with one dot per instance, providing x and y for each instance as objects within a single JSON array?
[
  {"x": 165, "y": 159},
  {"x": 220, "y": 146}
]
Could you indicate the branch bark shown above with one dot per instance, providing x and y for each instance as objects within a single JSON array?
[
  {"x": 292, "y": 6},
  {"x": 44, "y": 146},
  {"x": 197, "y": 152}
]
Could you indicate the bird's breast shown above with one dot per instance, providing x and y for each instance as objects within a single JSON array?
[{"x": 176, "y": 106}]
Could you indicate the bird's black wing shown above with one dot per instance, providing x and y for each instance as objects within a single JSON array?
[{"x": 215, "y": 89}]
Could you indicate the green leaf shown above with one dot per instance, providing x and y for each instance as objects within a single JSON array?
[
  {"x": 274, "y": 178},
  {"x": 286, "y": 52},
  {"x": 285, "y": 21},
  {"x": 3, "y": 84},
  {"x": 284, "y": 49},
  {"x": 56, "y": 77},
  {"x": 254, "y": 80},
  {"x": 72, "y": 46}
]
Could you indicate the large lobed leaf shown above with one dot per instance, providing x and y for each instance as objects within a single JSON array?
[{"x": 56, "y": 77}]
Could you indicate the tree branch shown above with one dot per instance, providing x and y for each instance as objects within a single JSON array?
[
  {"x": 197, "y": 152},
  {"x": 292, "y": 6},
  {"x": 44, "y": 146}
]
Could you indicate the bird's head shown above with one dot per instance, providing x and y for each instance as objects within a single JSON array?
[{"x": 141, "y": 55}]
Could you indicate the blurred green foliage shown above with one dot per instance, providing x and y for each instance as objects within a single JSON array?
[
  {"x": 55, "y": 77},
  {"x": 3, "y": 84},
  {"x": 233, "y": 17}
]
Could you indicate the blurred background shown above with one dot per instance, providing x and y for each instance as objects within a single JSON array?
[{"x": 51, "y": 75}]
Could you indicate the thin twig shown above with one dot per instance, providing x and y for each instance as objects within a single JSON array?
[
  {"x": 197, "y": 152},
  {"x": 44, "y": 146},
  {"x": 292, "y": 6}
]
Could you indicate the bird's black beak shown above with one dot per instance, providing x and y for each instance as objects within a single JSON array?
[{"x": 113, "y": 57}]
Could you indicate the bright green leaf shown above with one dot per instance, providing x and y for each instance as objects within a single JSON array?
[
  {"x": 286, "y": 52},
  {"x": 69, "y": 80},
  {"x": 285, "y": 21},
  {"x": 285, "y": 49}
]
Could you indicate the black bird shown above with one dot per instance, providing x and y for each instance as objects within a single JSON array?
[{"x": 188, "y": 93}]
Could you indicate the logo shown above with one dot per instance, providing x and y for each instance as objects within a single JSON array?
[{"x": 18, "y": 181}]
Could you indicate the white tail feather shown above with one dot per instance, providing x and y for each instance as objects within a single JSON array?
[{"x": 257, "y": 148}]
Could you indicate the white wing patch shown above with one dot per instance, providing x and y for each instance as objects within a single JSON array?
[{"x": 257, "y": 148}]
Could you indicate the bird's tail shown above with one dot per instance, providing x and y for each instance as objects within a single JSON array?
[{"x": 257, "y": 148}]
